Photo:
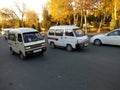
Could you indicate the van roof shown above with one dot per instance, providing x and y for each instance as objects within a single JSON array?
[
  {"x": 23, "y": 30},
  {"x": 64, "y": 27},
  {"x": 7, "y": 29}
]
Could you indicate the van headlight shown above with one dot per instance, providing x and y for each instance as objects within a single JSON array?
[
  {"x": 2, "y": 32},
  {"x": 27, "y": 48},
  {"x": 43, "y": 44}
]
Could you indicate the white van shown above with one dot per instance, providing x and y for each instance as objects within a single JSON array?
[
  {"x": 70, "y": 37},
  {"x": 5, "y": 32},
  {"x": 26, "y": 41}
]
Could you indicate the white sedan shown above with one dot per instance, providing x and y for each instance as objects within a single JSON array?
[{"x": 110, "y": 38}]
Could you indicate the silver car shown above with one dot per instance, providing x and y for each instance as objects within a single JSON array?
[{"x": 110, "y": 38}]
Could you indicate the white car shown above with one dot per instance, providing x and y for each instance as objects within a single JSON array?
[
  {"x": 67, "y": 36},
  {"x": 110, "y": 38},
  {"x": 5, "y": 32}
]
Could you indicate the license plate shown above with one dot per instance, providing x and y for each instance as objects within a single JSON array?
[{"x": 35, "y": 51}]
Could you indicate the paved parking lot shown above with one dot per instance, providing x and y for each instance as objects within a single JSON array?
[{"x": 92, "y": 68}]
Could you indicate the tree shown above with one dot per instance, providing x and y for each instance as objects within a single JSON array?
[
  {"x": 113, "y": 7},
  {"x": 45, "y": 18},
  {"x": 8, "y": 18},
  {"x": 31, "y": 18},
  {"x": 61, "y": 10},
  {"x": 84, "y": 8},
  {"x": 21, "y": 15},
  {"x": 103, "y": 11},
  {"x": 48, "y": 20},
  {"x": 116, "y": 8}
]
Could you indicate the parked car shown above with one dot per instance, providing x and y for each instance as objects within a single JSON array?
[
  {"x": 70, "y": 37},
  {"x": 2, "y": 32},
  {"x": 26, "y": 42},
  {"x": 110, "y": 38},
  {"x": 5, "y": 32}
]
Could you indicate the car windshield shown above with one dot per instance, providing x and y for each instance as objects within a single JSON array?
[
  {"x": 32, "y": 36},
  {"x": 78, "y": 32}
]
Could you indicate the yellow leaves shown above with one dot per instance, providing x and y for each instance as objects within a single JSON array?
[
  {"x": 31, "y": 17},
  {"x": 60, "y": 8}
]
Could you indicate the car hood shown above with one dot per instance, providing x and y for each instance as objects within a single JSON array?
[{"x": 82, "y": 39}]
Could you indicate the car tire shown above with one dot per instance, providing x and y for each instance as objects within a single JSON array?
[
  {"x": 69, "y": 48},
  {"x": 41, "y": 53},
  {"x": 22, "y": 56},
  {"x": 12, "y": 52},
  {"x": 5, "y": 38},
  {"x": 52, "y": 45},
  {"x": 97, "y": 42}
]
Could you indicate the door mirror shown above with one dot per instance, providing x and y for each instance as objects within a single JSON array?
[
  {"x": 20, "y": 39},
  {"x": 107, "y": 34}
]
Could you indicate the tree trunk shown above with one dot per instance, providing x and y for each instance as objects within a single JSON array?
[
  {"x": 86, "y": 24},
  {"x": 81, "y": 22},
  {"x": 99, "y": 27}
]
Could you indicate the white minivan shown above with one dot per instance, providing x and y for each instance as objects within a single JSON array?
[
  {"x": 70, "y": 37},
  {"x": 25, "y": 42}
]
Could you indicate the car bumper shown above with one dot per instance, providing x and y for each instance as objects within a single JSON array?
[
  {"x": 81, "y": 45},
  {"x": 36, "y": 51}
]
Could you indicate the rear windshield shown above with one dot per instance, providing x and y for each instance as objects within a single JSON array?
[
  {"x": 32, "y": 36},
  {"x": 78, "y": 32}
]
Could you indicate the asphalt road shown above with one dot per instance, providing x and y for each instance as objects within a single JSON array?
[{"x": 92, "y": 68}]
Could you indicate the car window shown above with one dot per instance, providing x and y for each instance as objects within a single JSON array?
[
  {"x": 119, "y": 32},
  {"x": 59, "y": 32},
  {"x": 69, "y": 33},
  {"x": 12, "y": 37},
  {"x": 51, "y": 32},
  {"x": 78, "y": 32},
  {"x": 19, "y": 38},
  {"x": 114, "y": 33},
  {"x": 32, "y": 37}
]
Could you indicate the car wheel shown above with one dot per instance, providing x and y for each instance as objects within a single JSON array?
[
  {"x": 5, "y": 38},
  {"x": 69, "y": 48},
  {"x": 97, "y": 42},
  {"x": 41, "y": 53},
  {"x": 22, "y": 56},
  {"x": 52, "y": 45},
  {"x": 12, "y": 52}
]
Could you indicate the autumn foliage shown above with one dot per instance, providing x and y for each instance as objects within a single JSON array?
[{"x": 83, "y": 13}]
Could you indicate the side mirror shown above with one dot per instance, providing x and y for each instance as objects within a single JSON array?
[
  {"x": 107, "y": 34},
  {"x": 20, "y": 39}
]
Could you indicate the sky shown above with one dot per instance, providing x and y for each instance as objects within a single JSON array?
[{"x": 35, "y": 5}]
